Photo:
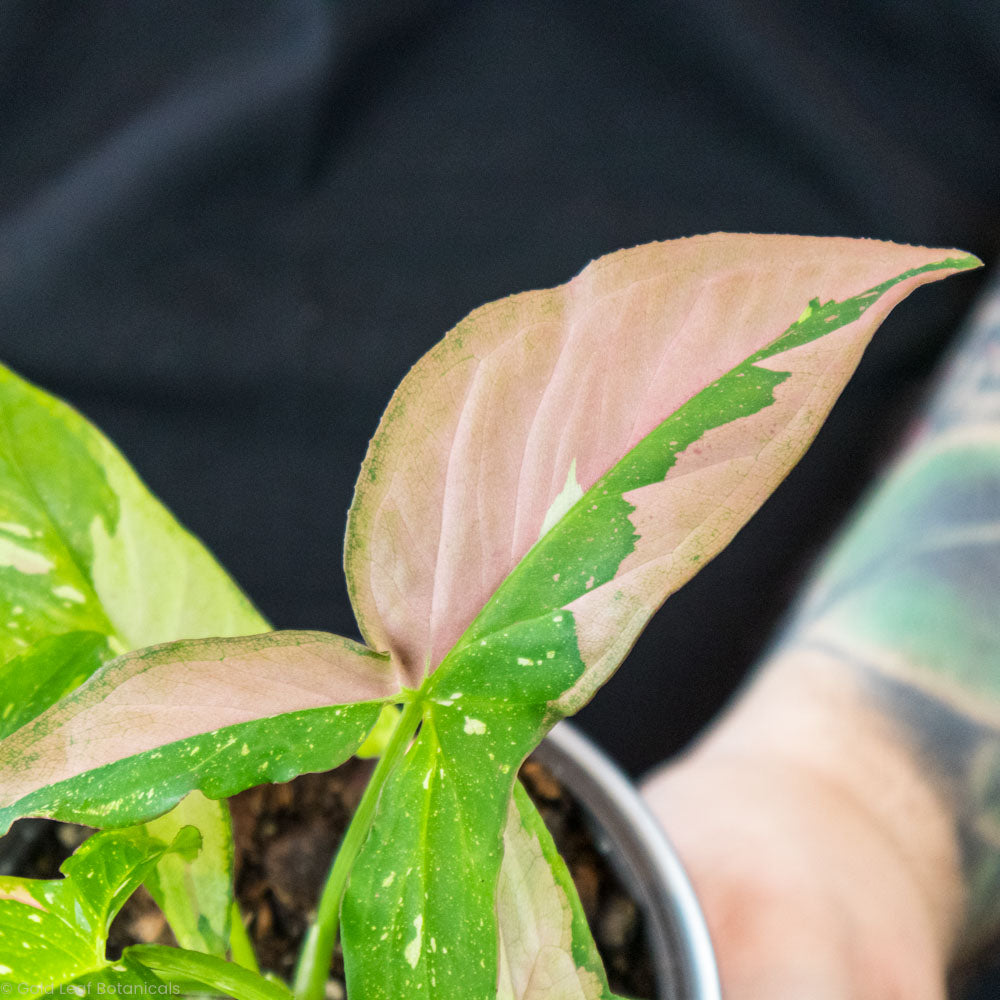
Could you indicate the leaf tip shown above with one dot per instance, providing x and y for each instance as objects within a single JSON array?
[{"x": 967, "y": 262}]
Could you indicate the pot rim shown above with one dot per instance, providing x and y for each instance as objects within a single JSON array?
[{"x": 681, "y": 948}]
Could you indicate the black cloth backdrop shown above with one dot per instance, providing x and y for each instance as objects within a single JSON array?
[{"x": 227, "y": 229}]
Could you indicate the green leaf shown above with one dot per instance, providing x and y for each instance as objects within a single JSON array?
[
  {"x": 215, "y": 715},
  {"x": 84, "y": 546},
  {"x": 196, "y": 892},
  {"x": 546, "y": 948},
  {"x": 191, "y": 970},
  {"x": 53, "y": 932},
  {"x": 125, "y": 977},
  {"x": 90, "y": 562},
  {"x": 418, "y": 914},
  {"x": 41, "y": 675}
]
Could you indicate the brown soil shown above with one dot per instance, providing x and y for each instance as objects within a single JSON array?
[{"x": 286, "y": 836}]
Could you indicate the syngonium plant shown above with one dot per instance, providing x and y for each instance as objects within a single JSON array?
[{"x": 540, "y": 482}]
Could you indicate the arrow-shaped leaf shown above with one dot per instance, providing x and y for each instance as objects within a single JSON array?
[
  {"x": 217, "y": 715},
  {"x": 635, "y": 418},
  {"x": 542, "y": 480}
]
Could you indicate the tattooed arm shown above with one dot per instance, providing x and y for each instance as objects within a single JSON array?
[
  {"x": 910, "y": 602},
  {"x": 853, "y": 845}
]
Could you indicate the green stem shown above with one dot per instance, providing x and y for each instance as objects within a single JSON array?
[
  {"x": 226, "y": 978},
  {"x": 314, "y": 961},
  {"x": 240, "y": 945}
]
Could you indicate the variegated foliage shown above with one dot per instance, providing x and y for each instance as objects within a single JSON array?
[{"x": 541, "y": 481}]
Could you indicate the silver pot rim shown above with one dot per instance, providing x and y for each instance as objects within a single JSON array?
[{"x": 683, "y": 958}]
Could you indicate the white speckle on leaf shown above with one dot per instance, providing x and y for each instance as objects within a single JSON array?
[
  {"x": 523, "y": 661},
  {"x": 550, "y": 655},
  {"x": 68, "y": 593},
  {"x": 557, "y": 618},
  {"x": 23, "y": 560},
  {"x": 388, "y": 880},
  {"x": 568, "y": 496},
  {"x": 474, "y": 727},
  {"x": 5, "y": 970},
  {"x": 15, "y": 529},
  {"x": 244, "y": 750},
  {"x": 412, "y": 951},
  {"x": 589, "y": 584}
]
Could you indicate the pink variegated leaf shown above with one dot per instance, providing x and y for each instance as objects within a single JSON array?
[
  {"x": 215, "y": 715},
  {"x": 588, "y": 448},
  {"x": 546, "y": 951}
]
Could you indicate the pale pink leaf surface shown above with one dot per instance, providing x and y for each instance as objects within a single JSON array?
[
  {"x": 545, "y": 951},
  {"x": 166, "y": 694},
  {"x": 540, "y": 394}
]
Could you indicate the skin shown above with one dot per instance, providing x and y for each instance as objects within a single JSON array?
[{"x": 841, "y": 822}]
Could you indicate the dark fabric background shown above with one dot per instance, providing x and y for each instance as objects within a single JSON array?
[{"x": 227, "y": 229}]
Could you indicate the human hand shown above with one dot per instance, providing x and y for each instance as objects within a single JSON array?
[{"x": 811, "y": 889}]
